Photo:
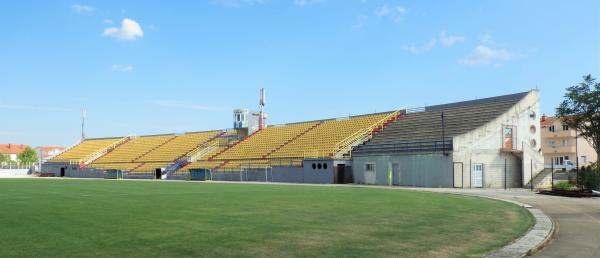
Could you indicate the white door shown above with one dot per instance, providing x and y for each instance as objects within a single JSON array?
[
  {"x": 370, "y": 177},
  {"x": 477, "y": 175},
  {"x": 370, "y": 173}
]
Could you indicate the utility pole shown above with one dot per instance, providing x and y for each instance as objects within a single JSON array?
[
  {"x": 443, "y": 134},
  {"x": 576, "y": 158}
]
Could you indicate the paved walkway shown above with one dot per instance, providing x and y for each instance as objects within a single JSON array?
[{"x": 577, "y": 219}]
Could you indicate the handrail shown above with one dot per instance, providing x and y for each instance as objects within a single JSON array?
[
  {"x": 202, "y": 150},
  {"x": 362, "y": 135},
  {"x": 94, "y": 155}
]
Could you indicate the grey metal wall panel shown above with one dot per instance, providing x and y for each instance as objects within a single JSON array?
[{"x": 425, "y": 170}]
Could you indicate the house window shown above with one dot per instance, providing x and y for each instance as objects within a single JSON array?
[
  {"x": 583, "y": 159},
  {"x": 558, "y": 160},
  {"x": 565, "y": 128},
  {"x": 370, "y": 167},
  {"x": 551, "y": 143},
  {"x": 565, "y": 143},
  {"x": 551, "y": 128}
]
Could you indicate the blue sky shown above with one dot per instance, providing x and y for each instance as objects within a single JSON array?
[{"x": 177, "y": 66}]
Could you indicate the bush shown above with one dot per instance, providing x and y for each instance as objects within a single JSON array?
[
  {"x": 590, "y": 178},
  {"x": 564, "y": 185}
]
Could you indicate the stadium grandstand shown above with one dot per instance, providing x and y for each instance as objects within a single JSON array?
[{"x": 422, "y": 144}]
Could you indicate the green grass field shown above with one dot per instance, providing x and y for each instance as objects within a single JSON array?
[{"x": 107, "y": 218}]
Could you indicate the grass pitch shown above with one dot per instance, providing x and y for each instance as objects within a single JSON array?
[{"x": 106, "y": 218}]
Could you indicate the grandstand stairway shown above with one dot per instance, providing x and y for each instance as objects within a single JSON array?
[
  {"x": 344, "y": 148},
  {"x": 192, "y": 156}
]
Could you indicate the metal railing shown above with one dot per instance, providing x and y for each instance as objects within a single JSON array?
[
  {"x": 202, "y": 151},
  {"x": 344, "y": 146},
  {"x": 101, "y": 152},
  {"x": 408, "y": 146}
]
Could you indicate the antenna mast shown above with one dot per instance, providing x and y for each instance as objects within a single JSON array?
[{"x": 261, "y": 105}]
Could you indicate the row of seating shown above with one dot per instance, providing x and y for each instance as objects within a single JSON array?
[
  {"x": 424, "y": 130},
  {"x": 179, "y": 146},
  {"x": 134, "y": 149},
  {"x": 320, "y": 141},
  {"x": 126, "y": 166},
  {"x": 265, "y": 141},
  {"x": 84, "y": 149}
]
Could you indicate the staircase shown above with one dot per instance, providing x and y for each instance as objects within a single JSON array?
[
  {"x": 173, "y": 167},
  {"x": 194, "y": 155},
  {"x": 83, "y": 162},
  {"x": 343, "y": 148},
  {"x": 542, "y": 180}
]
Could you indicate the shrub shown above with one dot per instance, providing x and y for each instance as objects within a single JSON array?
[
  {"x": 590, "y": 178},
  {"x": 564, "y": 185}
]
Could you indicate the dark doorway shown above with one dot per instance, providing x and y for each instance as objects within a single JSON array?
[
  {"x": 157, "y": 173},
  {"x": 341, "y": 174},
  {"x": 62, "y": 172}
]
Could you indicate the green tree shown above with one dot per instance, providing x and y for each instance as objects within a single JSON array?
[
  {"x": 581, "y": 110},
  {"x": 4, "y": 158},
  {"x": 28, "y": 155}
]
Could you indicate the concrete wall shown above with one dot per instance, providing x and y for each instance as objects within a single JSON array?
[
  {"x": 484, "y": 145},
  {"x": 425, "y": 170},
  {"x": 14, "y": 172}
]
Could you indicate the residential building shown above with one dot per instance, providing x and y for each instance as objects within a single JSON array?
[
  {"x": 12, "y": 150},
  {"x": 561, "y": 143},
  {"x": 47, "y": 152}
]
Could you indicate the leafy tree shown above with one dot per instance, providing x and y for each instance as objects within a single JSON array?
[
  {"x": 581, "y": 110},
  {"x": 4, "y": 158},
  {"x": 28, "y": 155}
]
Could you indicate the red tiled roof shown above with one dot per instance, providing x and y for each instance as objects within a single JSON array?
[
  {"x": 547, "y": 120},
  {"x": 11, "y": 148}
]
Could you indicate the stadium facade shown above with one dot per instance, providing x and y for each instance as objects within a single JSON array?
[{"x": 490, "y": 142}]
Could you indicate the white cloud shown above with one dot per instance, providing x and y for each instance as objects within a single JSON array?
[
  {"x": 79, "y": 8},
  {"x": 414, "y": 49},
  {"x": 485, "y": 55},
  {"x": 306, "y": 2},
  {"x": 129, "y": 30},
  {"x": 450, "y": 40},
  {"x": 122, "y": 68},
  {"x": 186, "y": 105},
  {"x": 396, "y": 13},
  {"x": 238, "y": 3}
]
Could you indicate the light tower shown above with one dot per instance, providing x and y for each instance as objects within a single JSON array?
[{"x": 261, "y": 105}]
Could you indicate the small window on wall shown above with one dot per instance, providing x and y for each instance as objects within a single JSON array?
[
  {"x": 532, "y": 114},
  {"x": 532, "y": 129},
  {"x": 314, "y": 166},
  {"x": 551, "y": 128},
  {"x": 369, "y": 167},
  {"x": 324, "y": 165},
  {"x": 319, "y": 166},
  {"x": 533, "y": 143},
  {"x": 565, "y": 128}
]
